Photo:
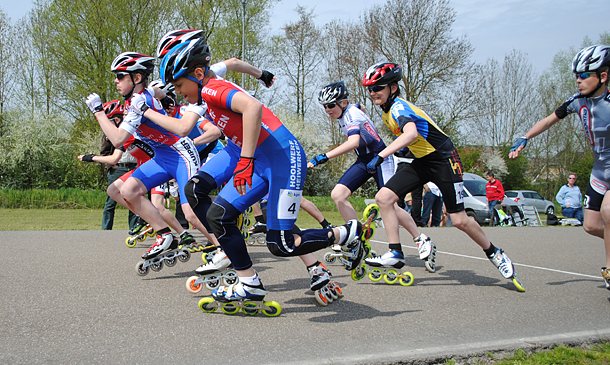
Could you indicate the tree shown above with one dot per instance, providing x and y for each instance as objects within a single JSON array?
[{"x": 6, "y": 66}]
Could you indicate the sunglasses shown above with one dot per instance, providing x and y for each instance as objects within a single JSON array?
[
  {"x": 119, "y": 75},
  {"x": 376, "y": 88},
  {"x": 583, "y": 75},
  {"x": 330, "y": 105}
]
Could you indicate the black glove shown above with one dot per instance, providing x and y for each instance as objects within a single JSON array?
[
  {"x": 88, "y": 158},
  {"x": 266, "y": 78}
]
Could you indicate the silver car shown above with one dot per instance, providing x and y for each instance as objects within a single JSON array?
[
  {"x": 528, "y": 197},
  {"x": 475, "y": 198}
]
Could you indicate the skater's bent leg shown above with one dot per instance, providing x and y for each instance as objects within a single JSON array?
[
  {"x": 134, "y": 193},
  {"x": 284, "y": 243},
  {"x": 192, "y": 218},
  {"x": 386, "y": 199},
  {"x": 339, "y": 195},
  {"x": 158, "y": 201},
  {"x": 197, "y": 191},
  {"x": 594, "y": 224},
  {"x": 312, "y": 210},
  {"x": 406, "y": 220},
  {"x": 114, "y": 191},
  {"x": 222, "y": 217},
  {"x": 469, "y": 226}
]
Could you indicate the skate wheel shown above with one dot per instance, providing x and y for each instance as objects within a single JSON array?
[
  {"x": 368, "y": 233},
  {"x": 250, "y": 309},
  {"x": 262, "y": 240},
  {"x": 329, "y": 258},
  {"x": 375, "y": 274},
  {"x": 406, "y": 279},
  {"x": 229, "y": 308},
  {"x": 212, "y": 283},
  {"x": 430, "y": 265},
  {"x": 204, "y": 305},
  {"x": 130, "y": 242},
  {"x": 373, "y": 254},
  {"x": 370, "y": 212},
  {"x": 391, "y": 277},
  {"x": 331, "y": 291},
  {"x": 140, "y": 269},
  {"x": 274, "y": 309},
  {"x": 152, "y": 233},
  {"x": 321, "y": 298},
  {"x": 250, "y": 242},
  {"x": 518, "y": 284},
  {"x": 359, "y": 272},
  {"x": 337, "y": 289},
  {"x": 156, "y": 266},
  {"x": 141, "y": 238},
  {"x": 230, "y": 278},
  {"x": 191, "y": 286},
  {"x": 204, "y": 257},
  {"x": 184, "y": 255},
  {"x": 171, "y": 262}
]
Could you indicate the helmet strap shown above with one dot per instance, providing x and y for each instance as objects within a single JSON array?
[
  {"x": 128, "y": 96},
  {"x": 342, "y": 108}
]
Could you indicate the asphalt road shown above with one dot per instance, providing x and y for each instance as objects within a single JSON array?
[{"x": 74, "y": 297}]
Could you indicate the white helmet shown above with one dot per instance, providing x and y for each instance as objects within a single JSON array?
[{"x": 591, "y": 59}]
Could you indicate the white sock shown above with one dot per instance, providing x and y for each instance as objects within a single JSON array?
[
  {"x": 250, "y": 280},
  {"x": 342, "y": 234}
]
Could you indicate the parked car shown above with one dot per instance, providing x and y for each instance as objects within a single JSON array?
[
  {"x": 475, "y": 198},
  {"x": 528, "y": 197}
]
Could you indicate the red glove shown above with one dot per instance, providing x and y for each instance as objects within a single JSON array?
[{"x": 243, "y": 173}]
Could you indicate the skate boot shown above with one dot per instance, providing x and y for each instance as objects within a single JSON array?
[
  {"x": 247, "y": 297},
  {"x": 210, "y": 274},
  {"x": 325, "y": 290},
  {"x": 164, "y": 250},
  {"x": 139, "y": 234},
  {"x": 352, "y": 247},
  {"x": 257, "y": 234},
  {"x": 506, "y": 267},
  {"x": 427, "y": 251},
  {"x": 139, "y": 225},
  {"x": 606, "y": 276},
  {"x": 188, "y": 241},
  {"x": 383, "y": 267}
]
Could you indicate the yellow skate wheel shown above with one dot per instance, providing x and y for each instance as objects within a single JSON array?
[
  {"x": 370, "y": 212},
  {"x": 130, "y": 242},
  {"x": 250, "y": 309},
  {"x": 391, "y": 277},
  {"x": 407, "y": 280},
  {"x": 204, "y": 305},
  {"x": 518, "y": 284},
  {"x": 375, "y": 274},
  {"x": 191, "y": 286},
  {"x": 229, "y": 308},
  {"x": 275, "y": 309},
  {"x": 141, "y": 238},
  {"x": 141, "y": 270},
  {"x": 367, "y": 234},
  {"x": 359, "y": 272}
]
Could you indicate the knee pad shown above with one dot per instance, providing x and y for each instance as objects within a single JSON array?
[
  {"x": 199, "y": 188},
  {"x": 280, "y": 243},
  {"x": 220, "y": 215}
]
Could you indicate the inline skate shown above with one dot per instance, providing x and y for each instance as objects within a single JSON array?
[
  {"x": 427, "y": 251},
  {"x": 606, "y": 276},
  {"x": 244, "y": 223},
  {"x": 325, "y": 290},
  {"x": 139, "y": 234},
  {"x": 385, "y": 267},
  {"x": 506, "y": 268},
  {"x": 257, "y": 234},
  {"x": 248, "y": 298},
  {"x": 154, "y": 258},
  {"x": 369, "y": 217},
  {"x": 210, "y": 274}
]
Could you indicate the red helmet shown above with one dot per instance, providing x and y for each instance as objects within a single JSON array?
[
  {"x": 112, "y": 108},
  {"x": 133, "y": 62},
  {"x": 384, "y": 73},
  {"x": 175, "y": 37}
]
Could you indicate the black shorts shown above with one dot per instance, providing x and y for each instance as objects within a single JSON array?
[{"x": 444, "y": 168}]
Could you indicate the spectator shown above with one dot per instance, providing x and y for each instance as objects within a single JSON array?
[
  {"x": 408, "y": 203},
  {"x": 495, "y": 192},
  {"x": 570, "y": 197},
  {"x": 433, "y": 205}
]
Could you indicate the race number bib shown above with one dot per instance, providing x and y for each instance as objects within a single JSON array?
[
  {"x": 289, "y": 204},
  {"x": 459, "y": 192}
]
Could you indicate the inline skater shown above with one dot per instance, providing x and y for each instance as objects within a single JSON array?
[
  {"x": 362, "y": 137},
  {"x": 435, "y": 160},
  {"x": 256, "y": 137},
  {"x": 591, "y": 67}
]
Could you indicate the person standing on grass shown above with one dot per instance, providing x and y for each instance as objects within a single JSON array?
[{"x": 569, "y": 198}]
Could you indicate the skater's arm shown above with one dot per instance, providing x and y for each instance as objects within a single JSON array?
[
  {"x": 351, "y": 144},
  {"x": 237, "y": 65},
  {"x": 408, "y": 136},
  {"x": 537, "y": 129},
  {"x": 116, "y": 135},
  {"x": 108, "y": 160},
  {"x": 181, "y": 127},
  {"x": 212, "y": 133}
]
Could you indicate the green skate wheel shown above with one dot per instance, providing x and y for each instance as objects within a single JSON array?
[
  {"x": 391, "y": 277},
  {"x": 204, "y": 305},
  {"x": 152, "y": 233},
  {"x": 375, "y": 274},
  {"x": 518, "y": 284},
  {"x": 367, "y": 234},
  {"x": 329, "y": 258},
  {"x": 274, "y": 309},
  {"x": 250, "y": 309},
  {"x": 406, "y": 279},
  {"x": 141, "y": 270},
  {"x": 371, "y": 211},
  {"x": 359, "y": 272},
  {"x": 229, "y": 308},
  {"x": 191, "y": 286},
  {"x": 130, "y": 242}
]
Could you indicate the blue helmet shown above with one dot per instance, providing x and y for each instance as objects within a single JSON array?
[{"x": 183, "y": 58}]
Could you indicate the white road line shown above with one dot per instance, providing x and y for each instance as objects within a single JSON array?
[{"x": 514, "y": 263}]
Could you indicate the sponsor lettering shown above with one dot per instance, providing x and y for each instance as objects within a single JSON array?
[
  {"x": 222, "y": 122},
  {"x": 187, "y": 148},
  {"x": 295, "y": 165},
  {"x": 372, "y": 131},
  {"x": 209, "y": 91},
  {"x": 585, "y": 119}
]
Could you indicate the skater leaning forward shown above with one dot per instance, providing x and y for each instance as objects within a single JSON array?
[
  {"x": 261, "y": 156},
  {"x": 435, "y": 160}
]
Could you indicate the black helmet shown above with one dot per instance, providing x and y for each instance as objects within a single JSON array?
[{"x": 333, "y": 93}]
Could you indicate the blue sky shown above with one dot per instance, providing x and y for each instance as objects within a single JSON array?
[{"x": 539, "y": 28}]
